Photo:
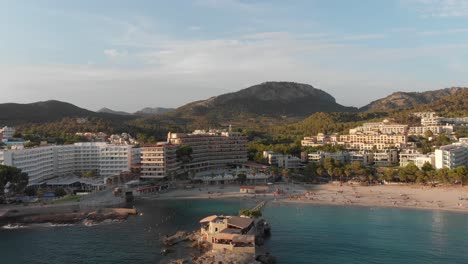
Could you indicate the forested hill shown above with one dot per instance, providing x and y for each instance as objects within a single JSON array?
[
  {"x": 273, "y": 99},
  {"x": 47, "y": 111},
  {"x": 408, "y": 100}
]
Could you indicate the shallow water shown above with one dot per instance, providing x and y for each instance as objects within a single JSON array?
[{"x": 300, "y": 234}]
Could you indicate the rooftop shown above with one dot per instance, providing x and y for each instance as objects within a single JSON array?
[{"x": 240, "y": 222}]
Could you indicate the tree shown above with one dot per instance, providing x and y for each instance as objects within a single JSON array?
[
  {"x": 40, "y": 192},
  {"x": 251, "y": 213},
  {"x": 388, "y": 174},
  {"x": 286, "y": 173},
  {"x": 338, "y": 172},
  {"x": 59, "y": 192},
  {"x": 443, "y": 175},
  {"x": 18, "y": 180},
  {"x": 408, "y": 173},
  {"x": 88, "y": 174},
  {"x": 428, "y": 134},
  {"x": 184, "y": 153},
  {"x": 348, "y": 171},
  {"x": 320, "y": 171},
  {"x": 459, "y": 174},
  {"x": 310, "y": 171},
  {"x": 242, "y": 178},
  {"x": 428, "y": 171},
  {"x": 30, "y": 191}
]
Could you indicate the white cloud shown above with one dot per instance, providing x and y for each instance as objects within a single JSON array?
[
  {"x": 364, "y": 37},
  {"x": 194, "y": 28},
  {"x": 179, "y": 71},
  {"x": 440, "y": 8},
  {"x": 113, "y": 53},
  {"x": 443, "y": 32}
]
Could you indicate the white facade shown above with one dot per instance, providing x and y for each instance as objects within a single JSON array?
[
  {"x": 38, "y": 163},
  {"x": 51, "y": 161},
  {"x": 451, "y": 156},
  {"x": 282, "y": 161},
  {"x": 418, "y": 159},
  {"x": 7, "y": 132},
  {"x": 421, "y": 130},
  {"x": 321, "y": 156}
]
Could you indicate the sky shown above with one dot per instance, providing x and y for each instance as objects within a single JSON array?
[{"x": 126, "y": 55}]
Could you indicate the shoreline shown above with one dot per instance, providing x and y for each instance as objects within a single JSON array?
[
  {"x": 416, "y": 197},
  {"x": 407, "y": 197}
]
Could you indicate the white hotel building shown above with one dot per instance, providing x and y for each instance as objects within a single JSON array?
[
  {"x": 54, "y": 161},
  {"x": 451, "y": 156}
]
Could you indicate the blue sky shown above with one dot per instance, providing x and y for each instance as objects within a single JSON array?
[{"x": 127, "y": 55}]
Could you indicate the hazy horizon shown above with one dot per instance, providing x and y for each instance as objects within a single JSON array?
[{"x": 129, "y": 55}]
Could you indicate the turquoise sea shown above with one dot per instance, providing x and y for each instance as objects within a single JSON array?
[{"x": 300, "y": 234}]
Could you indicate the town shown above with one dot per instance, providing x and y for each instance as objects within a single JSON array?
[{"x": 216, "y": 157}]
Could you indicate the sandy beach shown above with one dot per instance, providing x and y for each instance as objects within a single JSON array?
[
  {"x": 205, "y": 192},
  {"x": 401, "y": 196},
  {"x": 398, "y": 196}
]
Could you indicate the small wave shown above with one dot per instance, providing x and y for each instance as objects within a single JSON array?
[
  {"x": 50, "y": 225},
  {"x": 9, "y": 226}
]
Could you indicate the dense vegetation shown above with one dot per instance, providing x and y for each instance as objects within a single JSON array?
[
  {"x": 14, "y": 178},
  {"x": 203, "y": 115}
]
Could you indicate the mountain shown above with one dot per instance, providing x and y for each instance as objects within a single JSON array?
[
  {"x": 272, "y": 99},
  {"x": 154, "y": 111},
  {"x": 406, "y": 100},
  {"x": 110, "y": 111},
  {"x": 47, "y": 111},
  {"x": 454, "y": 105}
]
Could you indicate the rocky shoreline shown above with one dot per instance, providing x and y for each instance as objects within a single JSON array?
[
  {"x": 59, "y": 217},
  {"x": 202, "y": 251}
]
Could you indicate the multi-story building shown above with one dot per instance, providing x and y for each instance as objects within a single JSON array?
[
  {"x": 364, "y": 157},
  {"x": 371, "y": 141},
  {"x": 159, "y": 161},
  {"x": 461, "y": 121},
  {"x": 283, "y": 161},
  {"x": 451, "y": 156},
  {"x": 114, "y": 159},
  {"x": 46, "y": 162},
  {"x": 421, "y": 130},
  {"x": 384, "y": 127},
  {"x": 386, "y": 157},
  {"x": 320, "y": 156},
  {"x": 412, "y": 156},
  {"x": 7, "y": 132},
  {"x": 320, "y": 140},
  {"x": 212, "y": 149},
  {"x": 431, "y": 121},
  {"x": 421, "y": 160},
  {"x": 425, "y": 114},
  {"x": 38, "y": 163},
  {"x": 310, "y": 142}
]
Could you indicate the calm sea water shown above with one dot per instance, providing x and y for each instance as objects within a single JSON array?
[{"x": 300, "y": 234}]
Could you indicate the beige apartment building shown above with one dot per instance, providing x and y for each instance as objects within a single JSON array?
[
  {"x": 159, "y": 161},
  {"x": 367, "y": 142},
  {"x": 212, "y": 149}
]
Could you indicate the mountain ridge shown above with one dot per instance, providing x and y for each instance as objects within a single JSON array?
[
  {"x": 274, "y": 99},
  {"x": 406, "y": 100}
]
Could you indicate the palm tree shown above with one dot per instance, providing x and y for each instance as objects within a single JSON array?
[
  {"x": 348, "y": 171},
  {"x": 285, "y": 173}
]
